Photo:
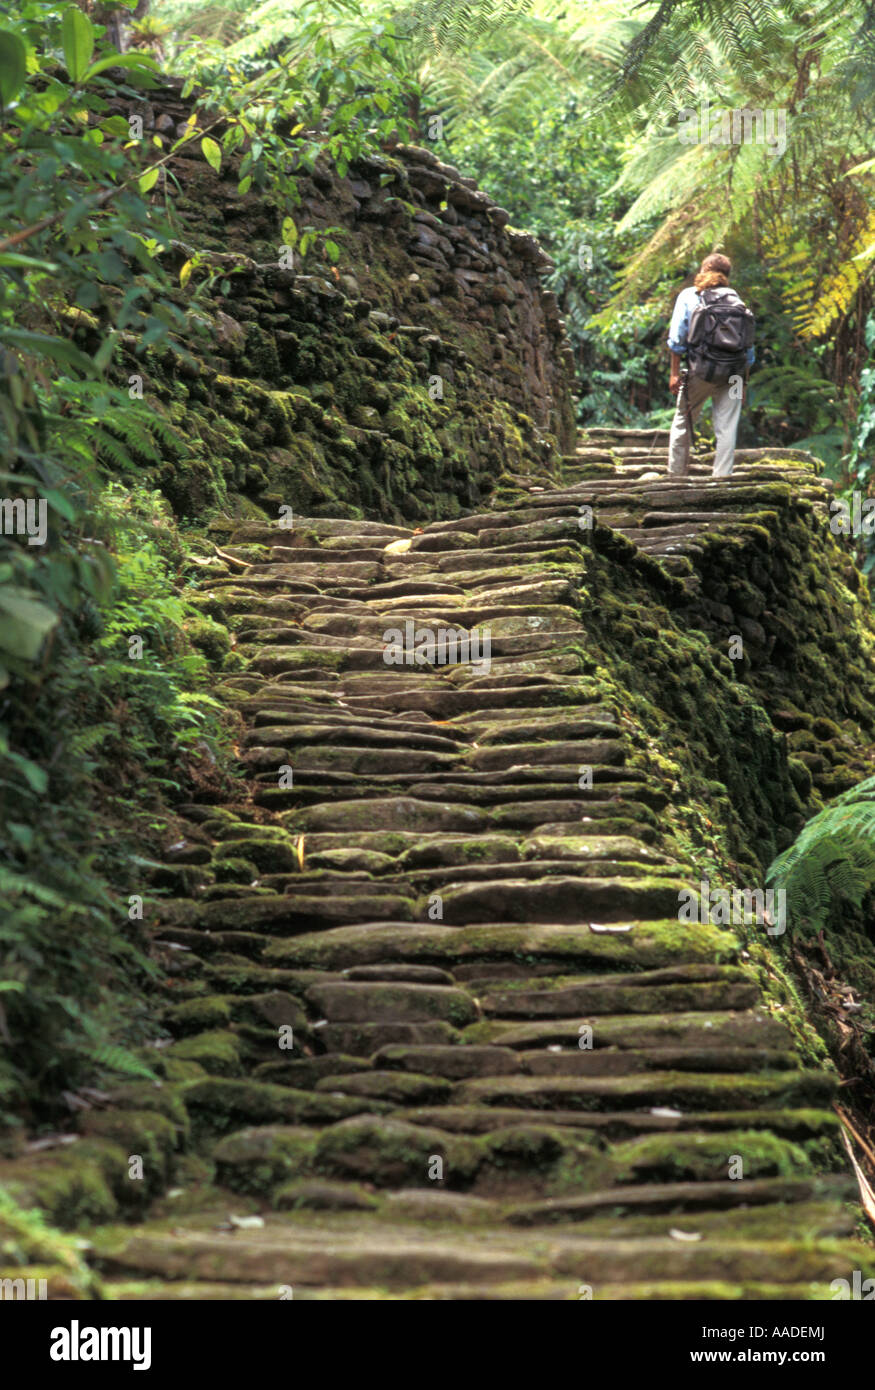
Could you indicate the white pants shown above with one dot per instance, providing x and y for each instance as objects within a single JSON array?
[{"x": 725, "y": 414}]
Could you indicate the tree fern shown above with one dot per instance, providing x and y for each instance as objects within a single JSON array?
[
  {"x": 743, "y": 54},
  {"x": 831, "y": 865},
  {"x": 111, "y": 1057}
]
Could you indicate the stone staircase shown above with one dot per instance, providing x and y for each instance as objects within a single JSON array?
[{"x": 513, "y": 1072}]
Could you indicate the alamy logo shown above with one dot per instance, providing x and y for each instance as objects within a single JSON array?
[
  {"x": 442, "y": 646},
  {"x": 23, "y": 1288},
  {"x": 24, "y": 517},
  {"x": 862, "y": 1290},
  {"x": 739, "y": 907},
  {"x": 852, "y": 516},
  {"x": 75, "y": 1343},
  {"x": 720, "y": 125}
]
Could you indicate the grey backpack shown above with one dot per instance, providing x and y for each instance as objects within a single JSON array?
[{"x": 720, "y": 331}]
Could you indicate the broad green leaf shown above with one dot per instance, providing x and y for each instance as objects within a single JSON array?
[
  {"x": 58, "y": 349},
  {"x": 15, "y": 261},
  {"x": 116, "y": 126},
  {"x": 149, "y": 179},
  {"x": 185, "y": 273},
  {"x": 60, "y": 503},
  {"x": 23, "y": 835},
  {"x": 289, "y": 232},
  {"x": 121, "y": 60},
  {"x": 243, "y": 186},
  {"x": 212, "y": 153},
  {"x": 24, "y": 623},
  {"x": 13, "y": 69},
  {"x": 36, "y": 777},
  {"x": 77, "y": 40}
]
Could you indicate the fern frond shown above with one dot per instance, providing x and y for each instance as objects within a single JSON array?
[{"x": 831, "y": 864}]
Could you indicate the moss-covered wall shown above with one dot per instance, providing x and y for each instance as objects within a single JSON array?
[{"x": 400, "y": 382}]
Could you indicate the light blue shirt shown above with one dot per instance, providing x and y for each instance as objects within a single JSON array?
[{"x": 680, "y": 323}]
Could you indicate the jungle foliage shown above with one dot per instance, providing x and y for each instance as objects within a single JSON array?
[{"x": 104, "y": 714}]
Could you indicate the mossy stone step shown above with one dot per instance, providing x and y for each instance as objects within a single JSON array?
[
  {"x": 614, "y": 1126},
  {"x": 592, "y": 847},
  {"x": 403, "y": 974},
  {"x": 366, "y": 1039},
  {"x": 739, "y": 1028},
  {"x": 614, "y": 817},
  {"x": 675, "y": 1090},
  {"x": 355, "y": 760},
  {"x": 822, "y": 1219},
  {"x": 350, "y": 732},
  {"x": 687, "y": 1197},
  {"x": 524, "y": 1291},
  {"x": 389, "y": 813},
  {"x": 362, "y": 1001},
  {"x": 649, "y": 945},
  {"x": 303, "y": 1072},
  {"x": 257, "y": 1159},
  {"x": 556, "y": 753},
  {"x": 454, "y": 1062},
  {"x": 352, "y": 550},
  {"x": 219, "y": 1104},
  {"x": 632, "y": 996},
  {"x": 402, "y": 1258},
  {"x": 275, "y": 1008},
  {"x": 537, "y": 869},
  {"x": 632, "y": 1061},
  {"x": 402, "y": 1088},
  {"x": 293, "y": 912},
  {"x": 254, "y": 532},
  {"x": 560, "y": 899}
]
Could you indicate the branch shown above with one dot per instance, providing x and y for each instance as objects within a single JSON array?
[{"x": 106, "y": 196}]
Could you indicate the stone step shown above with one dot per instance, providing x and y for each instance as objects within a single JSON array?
[
  {"x": 636, "y": 995},
  {"x": 480, "y": 959},
  {"x": 673, "y": 1089},
  {"x": 405, "y": 1258},
  {"x": 487, "y": 1061},
  {"x": 648, "y": 946},
  {"x": 736, "y": 1028},
  {"x": 619, "y": 1126},
  {"x": 687, "y": 1197}
]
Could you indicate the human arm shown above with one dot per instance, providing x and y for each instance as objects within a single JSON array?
[
  {"x": 674, "y": 380},
  {"x": 677, "y": 335}
]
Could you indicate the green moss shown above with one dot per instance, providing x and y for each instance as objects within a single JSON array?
[
  {"x": 256, "y": 1160},
  {"x": 71, "y": 1189},
  {"x": 234, "y": 869},
  {"x": 198, "y": 1015},
  {"x": 144, "y": 1134},
  {"x": 217, "y": 1051},
  {"x": 391, "y": 1153},
  {"x": 739, "y": 1154},
  {"x": 209, "y": 637},
  {"x": 220, "y": 1105},
  {"x": 31, "y": 1248}
]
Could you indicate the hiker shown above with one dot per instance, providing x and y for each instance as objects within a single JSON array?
[{"x": 712, "y": 331}]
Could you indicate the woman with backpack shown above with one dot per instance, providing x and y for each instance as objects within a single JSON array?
[{"x": 713, "y": 330}]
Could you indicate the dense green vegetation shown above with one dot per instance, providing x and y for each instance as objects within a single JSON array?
[
  {"x": 567, "y": 113},
  {"x": 104, "y": 712}
]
